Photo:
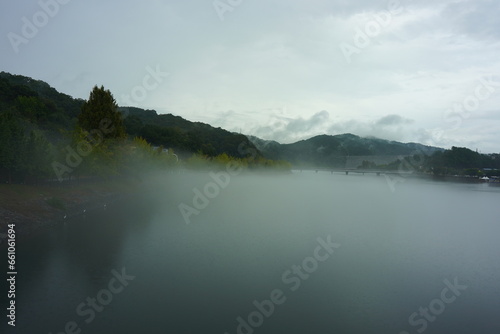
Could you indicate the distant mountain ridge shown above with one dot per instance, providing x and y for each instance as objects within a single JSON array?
[
  {"x": 339, "y": 150},
  {"x": 185, "y": 136},
  {"x": 43, "y": 107},
  {"x": 31, "y": 87},
  {"x": 39, "y": 106}
]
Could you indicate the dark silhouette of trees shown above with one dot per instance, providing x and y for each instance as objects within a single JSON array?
[{"x": 101, "y": 113}]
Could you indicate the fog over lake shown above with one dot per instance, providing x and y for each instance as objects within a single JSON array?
[{"x": 299, "y": 253}]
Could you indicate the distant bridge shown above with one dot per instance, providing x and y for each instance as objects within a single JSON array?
[
  {"x": 353, "y": 164},
  {"x": 355, "y": 161},
  {"x": 348, "y": 171}
]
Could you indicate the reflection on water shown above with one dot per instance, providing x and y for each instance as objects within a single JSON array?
[{"x": 249, "y": 262}]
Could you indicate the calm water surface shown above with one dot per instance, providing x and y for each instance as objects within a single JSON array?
[{"x": 422, "y": 258}]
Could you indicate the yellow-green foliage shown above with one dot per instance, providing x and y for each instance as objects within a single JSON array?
[
  {"x": 200, "y": 161},
  {"x": 222, "y": 160},
  {"x": 141, "y": 156},
  {"x": 132, "y": 157},
  {"x": 261, "y": 163},
  {"x": 197, "y": 161},
  {"x": 98, "y": 156},
  {"x": 141, "y": 150}
]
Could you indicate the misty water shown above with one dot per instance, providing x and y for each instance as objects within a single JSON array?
[{"x": 425, "y": 247}]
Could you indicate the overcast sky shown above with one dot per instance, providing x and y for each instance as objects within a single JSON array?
[{"x": 423, "y": 71}]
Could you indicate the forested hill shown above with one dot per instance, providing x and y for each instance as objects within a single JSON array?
[
  {"x": 46, "y": 135},
  {"x": 181, "y": 134},
  {"x": 13, "y": 86},
  {"x": 40, "y": 126},
  {"x": 351, "y": 151},
  {"x": 331, "y": 151},
  {"x": 36, "y": 102},
  {"x": 41, "y": 107}
]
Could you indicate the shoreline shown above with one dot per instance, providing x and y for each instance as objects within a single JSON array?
[{"x": 32, "y": 207}]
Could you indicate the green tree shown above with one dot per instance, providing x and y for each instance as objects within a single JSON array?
[
  {"x": 100, "y": 113},
  {"x": 37, "y": 156},
  {"x": 12, "y": 144}
]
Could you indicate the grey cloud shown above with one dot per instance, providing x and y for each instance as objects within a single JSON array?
[
  {"x": 283, "y": 129},
  {"x": 391, "y": 127},
  {"x": 476, "y": 18},
  {"x": 391, "y": 120},
  {"x": 302, "y": 125},
  {"x": 268, "y": 54},
  {"x": 286, "y": 129}
]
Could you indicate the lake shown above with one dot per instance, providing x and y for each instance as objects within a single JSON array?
[{"x": 301, "y": 253}]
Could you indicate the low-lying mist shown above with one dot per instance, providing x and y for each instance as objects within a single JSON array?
[{"x": 232, "y": 251}]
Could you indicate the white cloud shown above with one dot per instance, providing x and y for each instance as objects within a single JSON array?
[{"x": 275, "y": 68}]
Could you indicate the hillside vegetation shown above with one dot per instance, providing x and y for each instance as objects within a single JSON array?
[
  {"x": 353, "y": 152},
  {"x": 46, "y": 135}
]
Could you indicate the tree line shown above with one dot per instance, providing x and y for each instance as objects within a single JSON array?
[
  {"x": 46, "y": 135},
  {"x": 36, "y": 144},
  {"x": 455, "y": 161}
]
